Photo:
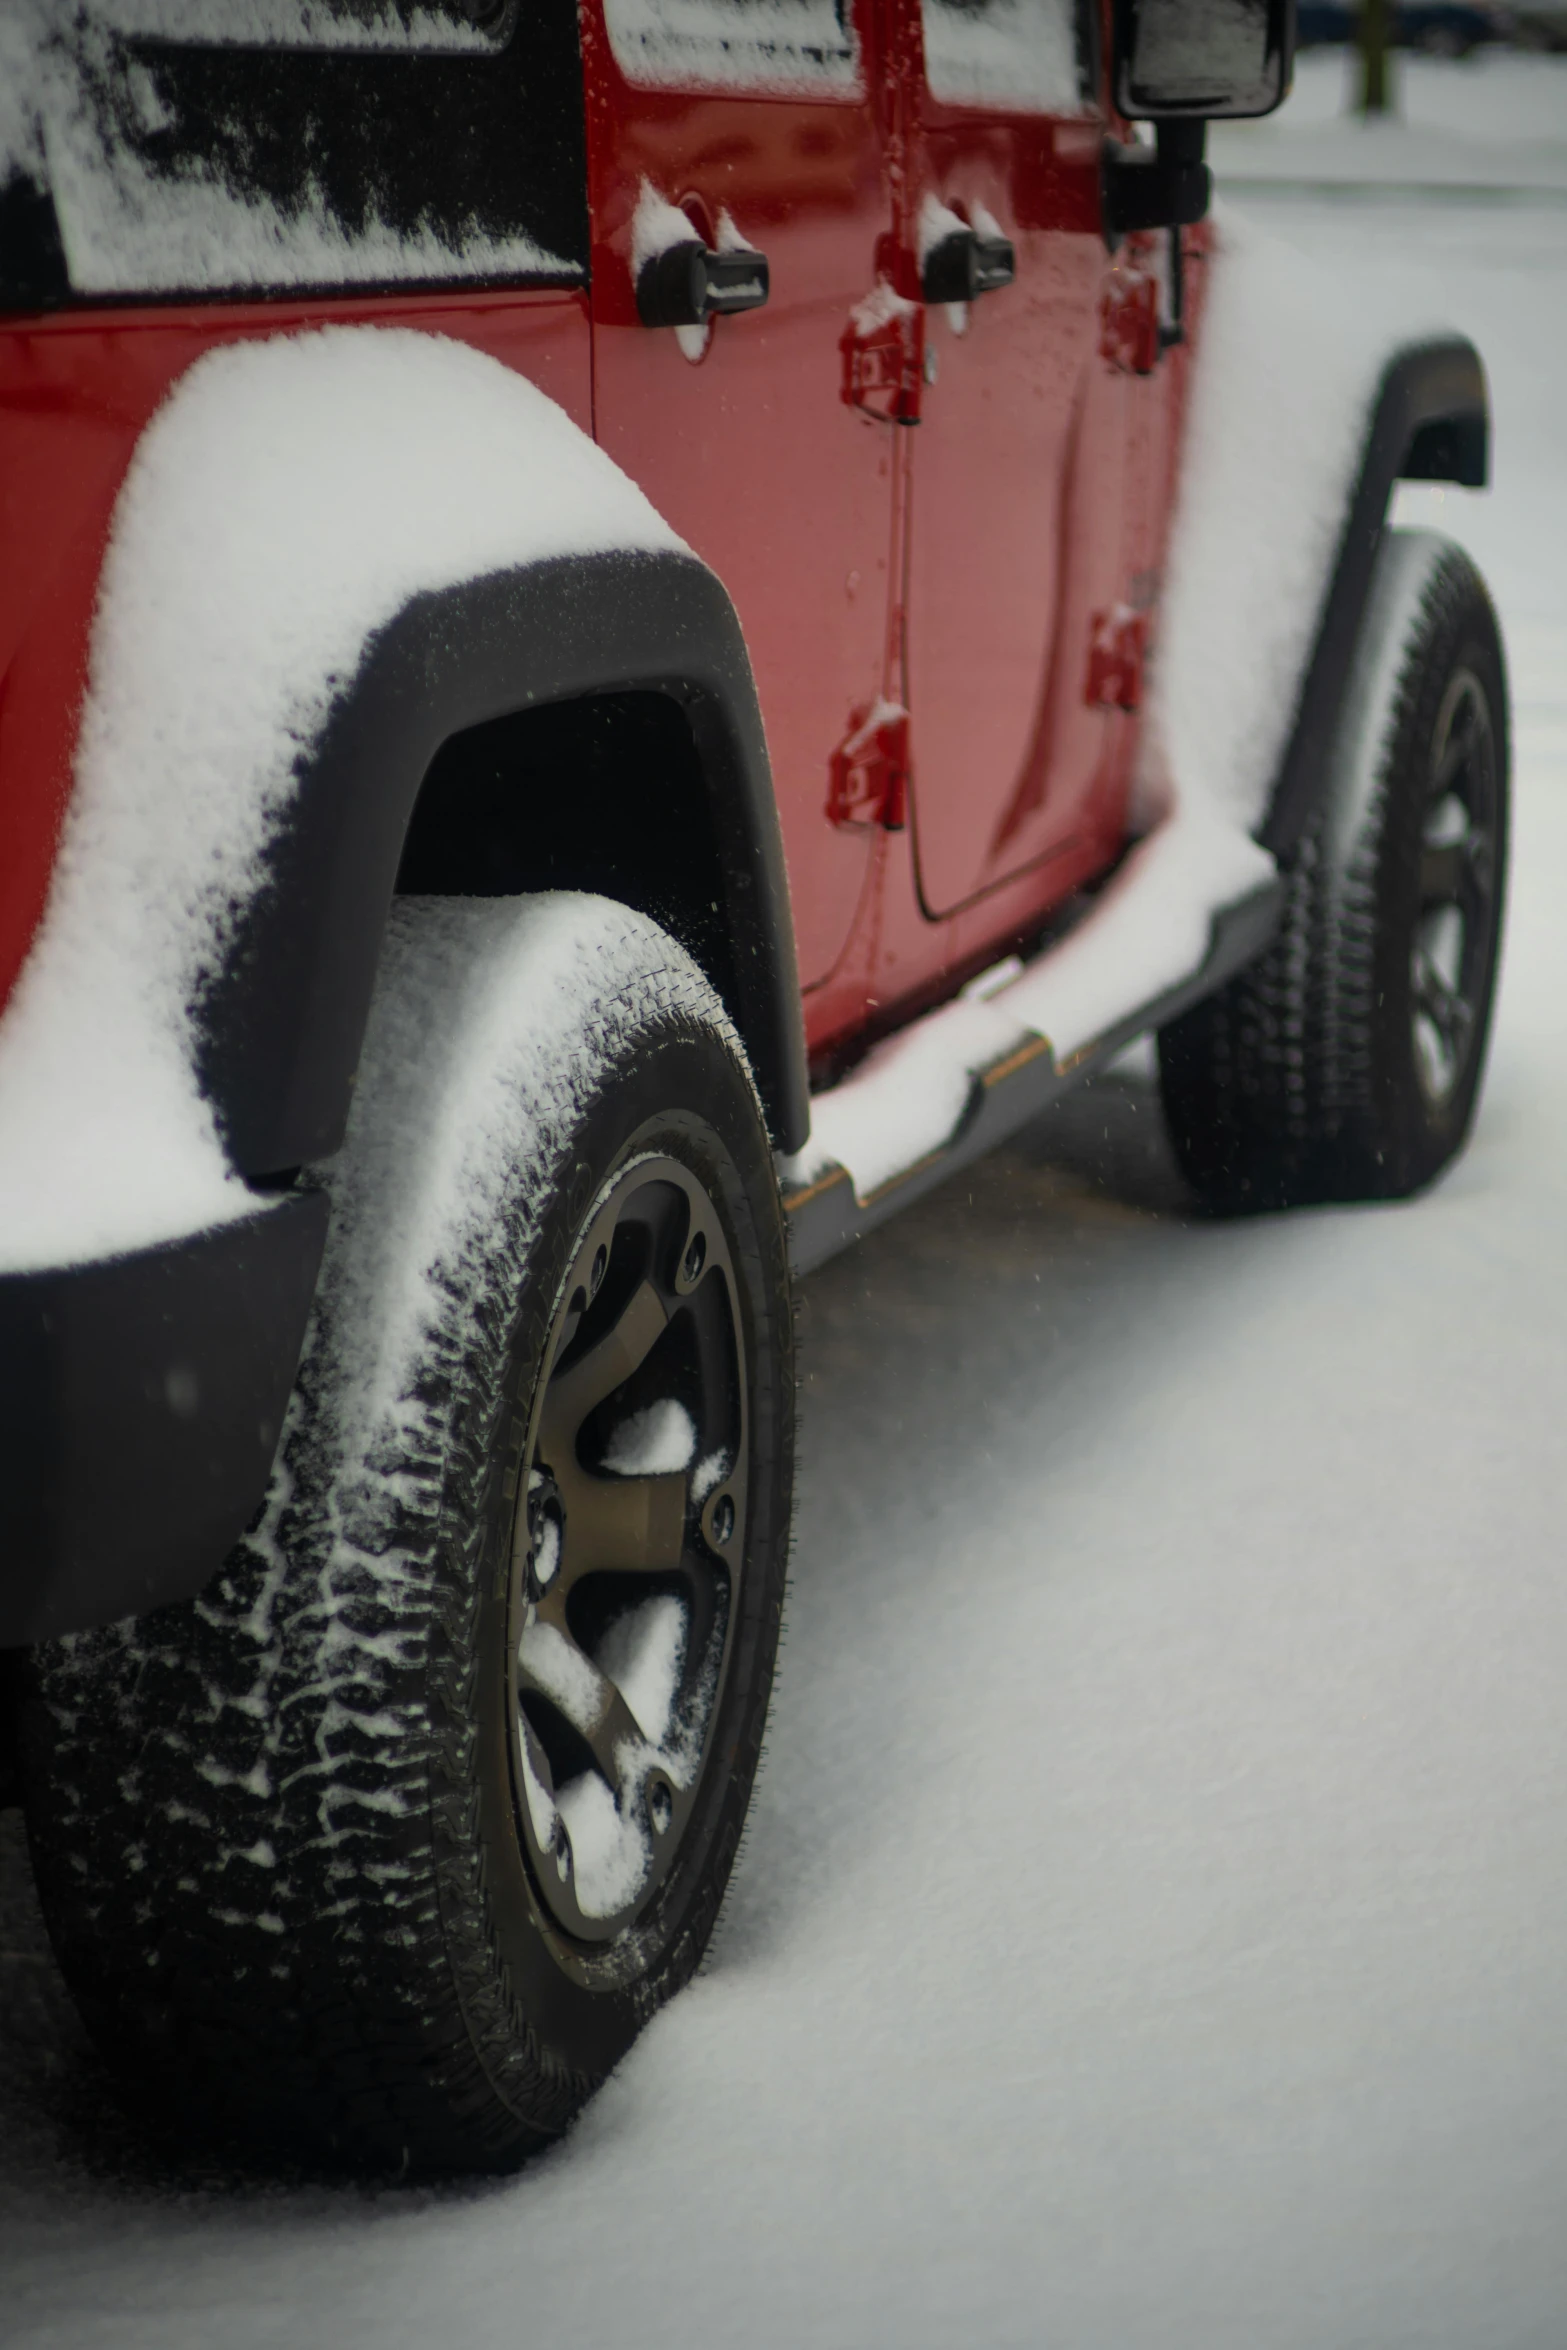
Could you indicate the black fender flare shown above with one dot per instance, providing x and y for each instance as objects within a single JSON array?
[
  {"x": 282, "y": 1021},
  {"x": 1430, "y": 421}
]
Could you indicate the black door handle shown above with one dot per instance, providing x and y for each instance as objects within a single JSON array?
[
  {"x": 964, "y": 265},
  {"x": 689, "y": 283}
]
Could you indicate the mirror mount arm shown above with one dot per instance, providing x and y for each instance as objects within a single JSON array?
[{"x": 1167, "y": 185}]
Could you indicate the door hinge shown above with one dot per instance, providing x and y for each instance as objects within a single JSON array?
[
  {"x": 1117, "y": 646},
  {"x": 869, "y": 771},
  {"x": 1129, "y": 322},
  {"x": 883, "y": 349}
]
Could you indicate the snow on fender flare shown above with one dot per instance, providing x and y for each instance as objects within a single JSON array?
[
  {"x": 1431, "y": 422},
  {"x": 330, "y": 551},
  {"x": 1303, "y": 413},
  {"x": 1302, "y": 416}
]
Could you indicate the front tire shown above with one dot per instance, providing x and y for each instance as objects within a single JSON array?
[
  {"x": 1346, "y": 1063},
  {"x": 382, "y": 1850}
]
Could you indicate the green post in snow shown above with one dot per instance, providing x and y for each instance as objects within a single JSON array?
[{"x": 1375, "y": 28}]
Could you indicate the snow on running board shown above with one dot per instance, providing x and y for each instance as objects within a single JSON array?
[{"x": 1150, "y": 932}]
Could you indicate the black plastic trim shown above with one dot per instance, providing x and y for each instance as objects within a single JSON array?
[
  {"x": 824, "y": 1217},
  {"x": 1431, "y": 422},
  {"x": 1167, "y": 185},
  {"x": 141, "y": 1399},
  {"x": 284, "y": 1021}
]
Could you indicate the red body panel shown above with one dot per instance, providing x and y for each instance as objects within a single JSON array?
[
  {"x": 964, "y": 567},
  {"x": 750, "y": 451},
  {"x": 76, "y": 392}
]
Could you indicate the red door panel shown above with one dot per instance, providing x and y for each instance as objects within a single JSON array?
[
  {"x": 741, "y": 437},
  {"x": 1016, "y": 544},
  {"x": 76, "y": 391}
]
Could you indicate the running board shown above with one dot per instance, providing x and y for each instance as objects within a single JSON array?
[{"x": 825, "y": 1215}]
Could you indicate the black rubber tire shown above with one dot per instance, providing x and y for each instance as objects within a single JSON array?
[
  {"x": 1300, "y": 1081},
  {"x": 274, "y": 1829}
]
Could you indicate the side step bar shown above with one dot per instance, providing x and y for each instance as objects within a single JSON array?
[{"x": 825, "y": 1215}]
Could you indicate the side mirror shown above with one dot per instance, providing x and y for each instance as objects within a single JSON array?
[{"x": 1202, "y": 60}]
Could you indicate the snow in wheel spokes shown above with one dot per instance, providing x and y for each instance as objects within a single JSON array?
[
  {"x": 627, "y": 1549},
  {"x": 1451, "y": 951}
]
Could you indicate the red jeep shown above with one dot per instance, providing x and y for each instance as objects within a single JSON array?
[{"x": 582, "y": 584}]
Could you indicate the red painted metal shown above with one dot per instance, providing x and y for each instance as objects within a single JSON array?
[
  {"x": 1129, "y": 319},
  {"x": 948, "y": 707},
  {"x": 870, "y": 769},
  {"x": 751, "y": 453},
  {"x": 76, "y": 391},
  {"x": 1018, "y": 533},
  {"x": 1116, "y": 650}
]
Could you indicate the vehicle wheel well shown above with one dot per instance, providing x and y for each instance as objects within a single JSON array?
[{"x": 604, "y": 793}]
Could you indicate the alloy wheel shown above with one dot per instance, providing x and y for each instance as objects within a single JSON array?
[{"x": 627, "y": 1550}]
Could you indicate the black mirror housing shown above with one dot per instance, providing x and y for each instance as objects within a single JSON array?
[{"x": 1202, "y": 60}]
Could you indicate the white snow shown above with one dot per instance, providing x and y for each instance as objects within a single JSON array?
[
  {"x": 217, "y": 653},
  {"x": 906, "y": 1097},
  {"x": 643, "y": 1652},
  {"x": 562, "y": 1672},
  {"x": 610, "y": 1854},
  {"x": 435, "y": 1136},
  {"x": 127, "y": 229},
  {"x": 1018, "y": 54},
  {"x": 1281, "y": 395},
  {"x": 802, "y": 47},
  {"x": 937, "y": 222},
  {"x": 657, "y": 226},
  {"x": 1497, "y": 126},
  {"x": 877, "y": 309},
  {"x": 708, "y": 1473},
  {"x": 1149, "y": 930},
  {"x": 546, "y": 1553},
  {"x": 656, "y": 1442},
  {"x": 305, "y": 24}
]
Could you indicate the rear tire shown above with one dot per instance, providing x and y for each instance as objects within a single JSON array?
[
  {"x": 1346, "y": 1063},
  {"x": 381, "y": 1852}
]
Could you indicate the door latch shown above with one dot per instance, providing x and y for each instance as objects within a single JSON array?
[
  {"x": 689, "y": 283},
  {"x": 883, "y": 349},
  {"x": 1117, "y": 648},
  {"x": 1129, "y": 335},
  {"x": 868, "y": 780},
  {"x": 962, "y": 266}
]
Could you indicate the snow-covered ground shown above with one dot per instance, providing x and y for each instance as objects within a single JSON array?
[
  {"x": 1153, "y": 1930},
  {"x": 1495, "y": 125}
]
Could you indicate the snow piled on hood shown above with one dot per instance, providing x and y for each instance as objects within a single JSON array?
[{"x": 286, "y": 502}]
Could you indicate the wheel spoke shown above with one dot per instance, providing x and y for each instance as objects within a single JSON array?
[
  {"x": 1444, "y": 871},
  {"x": 574, "y": 1393},
  {"x": 550, "y": 1665},
  {"x": 635, "y": 1525},
  {"x": 1441, "y": 1004},
  {"x": 624, "y": 1585},
  {"x": 1455, "y": 754}
]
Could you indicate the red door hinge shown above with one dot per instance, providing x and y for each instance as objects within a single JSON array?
[
  {"x": 1129, "y": 322},
  {"x": 869, "y": 773},
  {"x": 1117, "y": 646},
  {"x": 883, "y": 349}
]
